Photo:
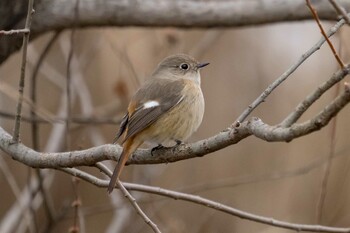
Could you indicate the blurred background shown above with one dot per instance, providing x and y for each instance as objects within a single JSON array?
[{"x": 279, "y": 180}]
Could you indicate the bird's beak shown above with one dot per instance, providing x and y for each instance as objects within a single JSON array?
[{"x": 201, "y": 65}]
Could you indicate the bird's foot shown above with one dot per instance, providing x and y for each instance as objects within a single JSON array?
[{"x": 160, "y": 146}]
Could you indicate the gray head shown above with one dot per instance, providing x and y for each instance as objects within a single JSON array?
[{"x": 179, "y": 66}]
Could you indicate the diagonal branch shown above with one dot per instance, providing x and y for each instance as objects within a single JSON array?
[
  {"x": 288, "y": 72},
  {"x": 310, "y": 99},
  {"x": 315, "y": 15},
  {"x": 276, "y": 133}
]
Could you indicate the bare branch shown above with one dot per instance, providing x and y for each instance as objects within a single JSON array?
[
  {"x": 287, "y": 73},
  {"x": 23, "y": 72},
  {"x": 175, "y": 13},
  {"x": 137, "y": 207},
  {"x": 207, "y": 203},
  {"x": 273, "y": 133},
  {"x": 310, "y": 99},
  {"x": 59, "y": 14}
]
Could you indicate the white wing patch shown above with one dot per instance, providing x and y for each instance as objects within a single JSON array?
[{"x": 150, "y": 104}]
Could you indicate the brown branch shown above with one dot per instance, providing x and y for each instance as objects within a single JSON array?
[{"x": 315, "y": 15}]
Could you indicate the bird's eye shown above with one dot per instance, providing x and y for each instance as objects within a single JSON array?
[{"x": 184, "y": 66}]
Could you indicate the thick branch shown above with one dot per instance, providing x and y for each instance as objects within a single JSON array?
[
  {"x": 183, "y": 13},
  {"x": 59, "y": 14}
]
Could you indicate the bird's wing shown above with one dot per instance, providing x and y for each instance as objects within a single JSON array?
[{"x": 149, "y": 103}]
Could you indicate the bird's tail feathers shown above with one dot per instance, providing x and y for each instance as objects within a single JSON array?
[{"x": 128, "y": 148}]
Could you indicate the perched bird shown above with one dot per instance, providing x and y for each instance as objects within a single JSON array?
[{"x": 169, "y": 106}]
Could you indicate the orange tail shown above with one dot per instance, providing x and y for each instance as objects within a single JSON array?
[{"x": 129, "y": 147}]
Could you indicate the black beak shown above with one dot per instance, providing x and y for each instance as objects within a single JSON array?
[{"x": 201, "y": 65}]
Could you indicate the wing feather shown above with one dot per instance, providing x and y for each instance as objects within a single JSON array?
[{"x": 168, "y": 93}]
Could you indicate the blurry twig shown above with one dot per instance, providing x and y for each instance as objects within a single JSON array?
[
  {"x": 205, "y": 43},
  {"x": 33, "y": 89},
  {"x": 48, "y": 206},
  {"x": 205, "y": 202},
  {"x": 68, "y": 90},
  {"x": 340, "y": 10},
  {"x": 76, "y": 204},
  {"x": 28, "y": 215},
  {"x": 12, "y": 94},
  {"x": 61, "y": 120},
  {"x": 122, "y": 54},
  {"x": 13, "y": 218},
  {"x": 315, "y": 15},
  {"x": 69, "y": 75},
  {"x": 325, "y": 178},
  {"x": 23, "y": 72}
]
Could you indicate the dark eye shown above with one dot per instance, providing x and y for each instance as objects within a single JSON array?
[{"x": 184, "y": 66}]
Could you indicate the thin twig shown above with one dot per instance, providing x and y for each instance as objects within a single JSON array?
[
  {"x": 76, "y": 205},
  {"x": 137, "y": 207},
  {"x": 340, "y": 10},
  {"x": 10, "y": 178},
  {"x": 205, "y": 202},
  {"x": 315, "y": 95},
  {"x": 326, "y": 175},
  {"x": 272, "y": 133},
  {"x": 16, "y": 129},
  {"x": 315, "y": 15},
  {"x": 132, "y": 200},
  {"x": 68, "y": 89},
  {"x": 287, "y": 73},
  {"x": 15, "y": 31}
]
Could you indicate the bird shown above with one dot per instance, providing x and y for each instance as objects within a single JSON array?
[{"x": 169, "y": 106}]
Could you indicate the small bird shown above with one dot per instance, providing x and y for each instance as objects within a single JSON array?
[{"x": 169, "y": 106}]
